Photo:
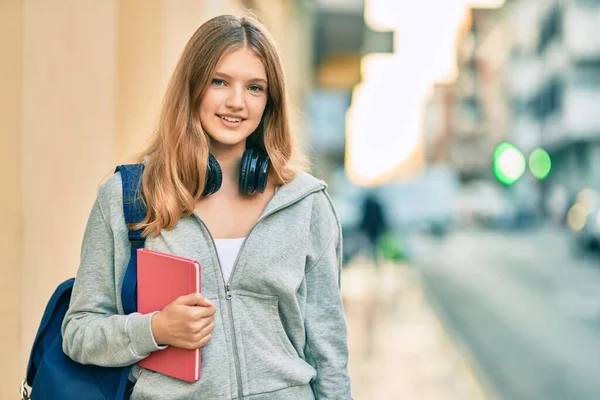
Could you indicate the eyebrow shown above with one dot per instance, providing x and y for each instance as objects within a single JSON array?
[{"x": 224, "y": 75}]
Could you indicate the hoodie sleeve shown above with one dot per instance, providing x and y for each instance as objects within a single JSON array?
[
  {"x": 325, "y": 323},
  {"x": 93, "y": 331}
]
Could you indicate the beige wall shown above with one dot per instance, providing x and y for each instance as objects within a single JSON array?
[
  {"x": 67, "y": 139},
  {"x": 11, "y": 208},
  {"x": 139, "y": 81},
  {"x": 82, "y": 83}
]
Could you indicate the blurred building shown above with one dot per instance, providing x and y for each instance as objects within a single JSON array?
[
  {"x": 529, "y": 73},
  {"x": 467, "y": 118},
  {"x": 556, "y": 81},
  {"x": 341, "y": 38},
  {"x": 82, "y": 83}
]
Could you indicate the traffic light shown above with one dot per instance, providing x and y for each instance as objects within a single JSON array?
[{"x": 509, "y": 163}]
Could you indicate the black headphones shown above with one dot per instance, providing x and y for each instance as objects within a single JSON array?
[{"x": 254, "y": 172}]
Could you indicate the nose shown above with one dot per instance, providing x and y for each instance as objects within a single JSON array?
[{"x": 235, "y": 100}]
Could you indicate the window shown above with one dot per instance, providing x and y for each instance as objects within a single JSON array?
[{"x": 551, "y": 29}]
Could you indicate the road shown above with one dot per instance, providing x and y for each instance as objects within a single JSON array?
[{"x": 526, "y": 310}]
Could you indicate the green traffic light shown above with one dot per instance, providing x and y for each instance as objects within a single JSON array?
[
  {"x": 540, "y": 163},
  {"x": 501, "y": 148},
  {"x": 509, "y": 163}
]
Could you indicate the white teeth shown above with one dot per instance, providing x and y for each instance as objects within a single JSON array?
[{"x": 232, "y": 119}]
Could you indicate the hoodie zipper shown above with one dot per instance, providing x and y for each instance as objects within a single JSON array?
[
  {"x": 236, "y": 359},
  {"x": 228, "y": 295}
]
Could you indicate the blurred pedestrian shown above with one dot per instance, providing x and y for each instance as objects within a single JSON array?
[{"x": 373, "y": 224}]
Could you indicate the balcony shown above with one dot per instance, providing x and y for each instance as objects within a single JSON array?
[
  {"x": 576, "y": 120},
  {"x": 465, "y": 83},
  {"x": 554, "y": 135},
  {"x": 525, "y": 79},
  {"x": 582, "y": 30},
  {"x": 526, "y": 134},
  {"x": 466, "y": 118},
  {"x": 581, "y": 118}
]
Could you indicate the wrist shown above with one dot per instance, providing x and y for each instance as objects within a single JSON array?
[{"x": 157, "y": 330}]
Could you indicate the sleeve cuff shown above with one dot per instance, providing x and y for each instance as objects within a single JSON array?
[{"x": 140, "y": 334}]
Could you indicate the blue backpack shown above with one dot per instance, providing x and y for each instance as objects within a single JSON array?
[{"x": 51, "y": 374}]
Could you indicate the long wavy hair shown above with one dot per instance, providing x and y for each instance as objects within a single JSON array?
[{"x": 177, "y": 155}]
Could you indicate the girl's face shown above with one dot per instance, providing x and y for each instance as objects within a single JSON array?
[{"x": 234, "y": 102}]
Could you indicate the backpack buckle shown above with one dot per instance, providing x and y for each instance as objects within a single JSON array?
[{"x": 24, "y": 391}]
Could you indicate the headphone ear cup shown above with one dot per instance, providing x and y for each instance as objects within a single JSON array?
[
  {"x": 262, "y": 173},
  {"x": 254, "y": 172},
  {"x": 214, "y": 176},
  {"x": 244, "y": 167},
  {"x": 252, "y": 178}
]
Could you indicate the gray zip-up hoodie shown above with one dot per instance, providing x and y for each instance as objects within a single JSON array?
[{"x": 280, "y": 331}]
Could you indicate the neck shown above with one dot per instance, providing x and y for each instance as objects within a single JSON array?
[
  {"x": 230, "y": 167},
  {"x": 229, "y": 160}
]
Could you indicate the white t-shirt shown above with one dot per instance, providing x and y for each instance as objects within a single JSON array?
[{"x": 228, "y": 250}]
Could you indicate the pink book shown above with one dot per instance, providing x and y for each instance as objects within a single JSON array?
[{"x": 161, "y": 278}]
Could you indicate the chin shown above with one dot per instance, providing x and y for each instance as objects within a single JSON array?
[{"x": 228, "y": 140}]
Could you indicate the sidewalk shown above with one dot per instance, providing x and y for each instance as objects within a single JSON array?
[{"x": 398, "y": 348}]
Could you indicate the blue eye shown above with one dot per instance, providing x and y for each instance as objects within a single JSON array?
[
  {"x": 218, "y": 82},
  {"x": 256, "y": 88}
]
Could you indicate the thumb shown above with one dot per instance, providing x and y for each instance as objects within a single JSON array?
[{"x": 194, "y": 299}]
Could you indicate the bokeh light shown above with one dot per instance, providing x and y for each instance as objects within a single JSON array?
[
  {"x": 540, "y": 163},
  {"x": 588, "y": 198},
  {"x": 509, "y": 163},
  {"x": 577, "y": 216}
]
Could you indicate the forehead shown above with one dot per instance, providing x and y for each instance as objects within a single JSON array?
[{"x": 242, "y": 63}]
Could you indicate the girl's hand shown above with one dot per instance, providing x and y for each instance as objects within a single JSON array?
[{"x": 186, "y": 323}]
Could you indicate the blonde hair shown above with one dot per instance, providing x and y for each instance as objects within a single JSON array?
[{"x": 177, "y": 155}]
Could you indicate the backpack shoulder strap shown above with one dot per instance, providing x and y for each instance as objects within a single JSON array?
[{"x": 135, "y": 211}]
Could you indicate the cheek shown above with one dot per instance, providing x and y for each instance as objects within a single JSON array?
[
  {"x": 205, "y": 113},
  {"x": 204, "y": 108},
  {"x": 209, "y": 102},
  {"x": 258, "y": 107}
]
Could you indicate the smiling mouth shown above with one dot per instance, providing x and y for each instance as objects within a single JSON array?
[{"x": 230, "y": 119}]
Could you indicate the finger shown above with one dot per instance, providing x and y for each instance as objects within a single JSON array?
[
  {"x": 189, "y": 345},
  {"x": 199, "y": 335},
  {"x": 197, "y": 326},
  {"x": 194, "y": 299},
  {"x": 197, "y": 313},
  {"x": 202, "y": 342},
  {"x": 209, "y": 328},
  {"x": 205, "y": 325}
]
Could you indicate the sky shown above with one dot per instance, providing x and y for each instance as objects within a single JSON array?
[{"x": 384, "y": 122}]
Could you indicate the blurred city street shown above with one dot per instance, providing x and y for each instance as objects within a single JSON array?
[
  {"x": 398, "y": 348},
  {"x": 527, "y": 309},
  {"x": 478, "y": 314},
  {"x": 460, "y": 142}
]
